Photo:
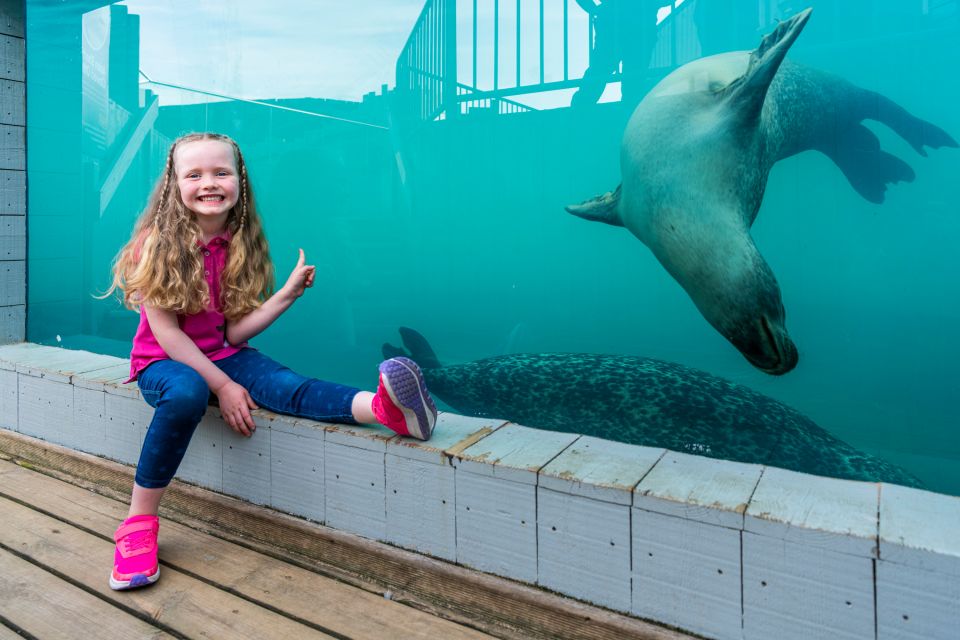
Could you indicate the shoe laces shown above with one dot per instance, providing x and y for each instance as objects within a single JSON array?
[{"x": 138, "y": 542}]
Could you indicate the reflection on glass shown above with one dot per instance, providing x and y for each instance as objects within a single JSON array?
[{"x": 435, "y": 144}]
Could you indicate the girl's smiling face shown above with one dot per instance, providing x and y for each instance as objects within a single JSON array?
[{"x": 206, "y": 173}]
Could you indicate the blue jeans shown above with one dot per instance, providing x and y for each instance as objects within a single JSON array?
[{"x": 180, "y": 397}]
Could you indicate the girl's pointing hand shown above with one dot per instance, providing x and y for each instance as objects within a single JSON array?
[{"x": 300, "y": 278}]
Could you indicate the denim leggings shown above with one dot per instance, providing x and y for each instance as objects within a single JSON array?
[{"x": 180, "y": 397}]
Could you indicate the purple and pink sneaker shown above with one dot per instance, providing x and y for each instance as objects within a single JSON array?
[
  {"x": 135, "y": 559},
  {"x": 402, "y": 402}
]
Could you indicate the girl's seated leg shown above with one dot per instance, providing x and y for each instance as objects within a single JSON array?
[
  {"x": 401, "y": 403},
  {"x": 180, "y": 398}
]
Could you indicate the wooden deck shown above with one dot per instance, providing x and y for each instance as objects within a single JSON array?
[{"x": 56, "y": 550}]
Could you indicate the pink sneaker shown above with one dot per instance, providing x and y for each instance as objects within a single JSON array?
[
  {"x": 402, "y": 402},
  {"x": 135, "y": 559}
]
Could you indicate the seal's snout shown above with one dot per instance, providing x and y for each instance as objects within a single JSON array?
[
  {"x": 770, "y": 349},
  {"x": 764, "y": 343}
]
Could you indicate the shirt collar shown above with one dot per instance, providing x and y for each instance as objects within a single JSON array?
[{"x": 221, "y": 239}]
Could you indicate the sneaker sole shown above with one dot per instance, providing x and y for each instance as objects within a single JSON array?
[
  {"x": 138, "y": 580},
  {"x": 404, "y": 383}
]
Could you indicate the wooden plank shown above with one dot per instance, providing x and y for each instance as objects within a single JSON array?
[
  {"x": 203, "y": 462},
  {"x": 296, "y": 467},
  {"x": 246, "y": 463},
  {"x": 497, "y": 525},
  {"x": 451, "y": 435},
  {"x": 421, "y": 506},
  {"x": 46, "y": 607},
  {"x": 502, "y": 607},
  {"x": 61, "y": 364},
  {"x": 363, "y": 436},
  {"x": 11, "y": 102},
  {"x": 8, "y": 399},
  {"x": 599, "y": 469},
  {"x": 918, "y": 590},
  {"x": 797, "y": 592},
  {"x": 101, "y": 366},
  {"x": 840, "y": 515},
  {"x": 13, "y": 192},
  {"x": 420, "y": 485},
  {"x": 687, "y": 573},
  {"x": 10, "y": 354},
  {"x": 307, "y": 595},
  {"x": 514, "y": 452},
  {"x": 583, "y": 548},
  {"x": 89, "y": 428},
  {"x": 13, "y": 245},
  {"x": 8, "y": 634},
  {"x": 180, "y": 603},
  {"x": 13, "y": 282},
  {"x": 13, "y": 325},
  {"x": 45, "y": 408},
  {"x": 700, "y": 489},
  {"x": 497, "y": 499},
  {"x": 120, "y": 387},
  {"x": 914, "y": 604},
  {"x": 126, "y": 423},
  {"x": 29, "y": 354},
  {"x": 12, "y": 18},
  {"x": 355, "y": 496},
  {"x": 12, "y": 58},
  {"x": 12, "y": 141},
  {"x": 97, "y": 379},
  {"x": 920, "y": 529}
]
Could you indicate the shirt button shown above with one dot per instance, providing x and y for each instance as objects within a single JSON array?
[
  {"x": 206, "y": 273},
  {"x": 206, "y": 253}
]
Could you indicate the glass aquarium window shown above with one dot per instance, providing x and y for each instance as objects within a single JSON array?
[{"x": 622, "y": 218}]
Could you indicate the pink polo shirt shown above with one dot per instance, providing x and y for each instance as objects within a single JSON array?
[{"x": 207, "y": 328}]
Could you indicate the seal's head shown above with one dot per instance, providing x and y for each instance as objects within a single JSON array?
[
  {"x": 732, "y": 285},
  {"x": 756, "y": 326}
]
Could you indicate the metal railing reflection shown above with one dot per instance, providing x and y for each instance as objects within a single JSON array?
[{"x": 454, "y": 63}]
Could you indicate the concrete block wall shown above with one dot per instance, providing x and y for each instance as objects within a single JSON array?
[
  {"x": 13, "y": 186},
  {"x": 721, "y": 549}
]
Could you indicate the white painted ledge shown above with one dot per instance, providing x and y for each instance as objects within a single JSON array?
[{"x": 718, "y": 548}]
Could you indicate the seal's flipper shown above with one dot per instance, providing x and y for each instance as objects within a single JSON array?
[
  {"x": 750, "y": 90},
  {"x": 420, "y": 350},
  {"x": 918, "y": 133},
  {"x": 390, "y": 351},
  {"x": 868, "y": 168},
  {"x": 603, "y": 208}
]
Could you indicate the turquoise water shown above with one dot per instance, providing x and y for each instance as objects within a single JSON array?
[{"x": 450, "y": 219}]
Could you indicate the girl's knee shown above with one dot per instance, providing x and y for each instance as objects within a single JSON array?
[{"x": 188, "y": 395}]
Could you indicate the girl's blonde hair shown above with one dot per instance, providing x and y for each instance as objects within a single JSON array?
[{"x": 160, "y": 265}]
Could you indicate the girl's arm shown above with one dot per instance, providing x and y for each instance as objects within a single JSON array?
[
  {"x": 235, "y": 402},
  {"x": 263, "y": 316}
]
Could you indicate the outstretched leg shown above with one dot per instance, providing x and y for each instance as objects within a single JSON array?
[{"x": 401, "y": 403}]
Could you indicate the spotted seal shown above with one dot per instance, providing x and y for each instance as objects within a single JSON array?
[
  {"x": 643, "y": 401},
  {"x": 695, "y": 157}
]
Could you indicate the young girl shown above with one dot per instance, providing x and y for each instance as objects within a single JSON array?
[{"x": 198, "y": 268}]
